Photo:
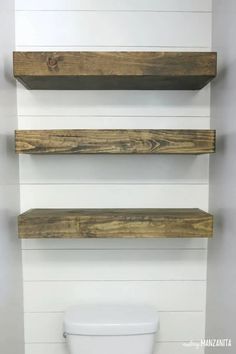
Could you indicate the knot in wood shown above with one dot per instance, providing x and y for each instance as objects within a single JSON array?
[{"x": 52, "y": 63}]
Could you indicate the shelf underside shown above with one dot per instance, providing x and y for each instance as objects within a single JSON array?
[
  {"x": 115, "y": 141},
  {"x": 115, "y": 70},
  {"x": 114, "y": 223}
]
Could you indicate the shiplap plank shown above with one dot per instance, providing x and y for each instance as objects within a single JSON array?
[
  {"x": 161, "y": 348},
  {"x": 117, "y": 244},
  {"x": 114, "y": 5},
  {"x": 39, "y": 296},
  {"x": 114, "y": 265},
  {"x": 114, "y": 196},
  {"x": 46, "y": 348},
  {"x": 174, "y": 326},
  {"x": 111, "y": 122},
  {"x": 118, "y": 169},
  {"x": 114, "y": 104},
  {"x": 113, "y": 29}
]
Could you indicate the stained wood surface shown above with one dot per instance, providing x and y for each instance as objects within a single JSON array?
[
  {"x": 114, "y": 70},
  {"x": 115, "y": 141},
  {"x": 105, "y": 223}
]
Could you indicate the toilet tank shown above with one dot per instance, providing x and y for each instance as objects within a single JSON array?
[{"x": 106, "y": 329}]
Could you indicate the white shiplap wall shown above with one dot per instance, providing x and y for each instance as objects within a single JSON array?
[{"x": 169, "y": 274}]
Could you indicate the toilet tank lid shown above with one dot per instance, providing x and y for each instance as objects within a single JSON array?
[{"x": 110, "y": 320}]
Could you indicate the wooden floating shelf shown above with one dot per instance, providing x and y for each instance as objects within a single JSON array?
[
  {"x": 114, "y": 223},
  {"x": 115, "y": 70},
  {"x": 115, "y": 141}
]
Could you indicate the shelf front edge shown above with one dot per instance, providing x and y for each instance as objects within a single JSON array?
[
  {"x": 115, "y": 223},
  {"x": 115, "y": 70},
  {"x": 115, "y": 141}
]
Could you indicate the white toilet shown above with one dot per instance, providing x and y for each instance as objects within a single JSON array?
[{"x": 106, "y": 329}]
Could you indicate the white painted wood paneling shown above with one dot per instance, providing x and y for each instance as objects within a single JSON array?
[
  {"x": 114, "y": 5},
  {"x": 161, "y": 348},
  {"x": 114, "y": 169},
  {"x": 134, "y": 244},
  {"x": 54, "y": 296},
  {"x": 52, "y": 348},
  {"x": 114, "y": 196},
  {"x": 175, "y": 326},
  {"x": 112, "y": 122},
  {"x": 89, "y": 104},
  {"x": 88, "y": 29},
  {"x": 114, "y": 265},
  {"x": 166, "y": 273}
]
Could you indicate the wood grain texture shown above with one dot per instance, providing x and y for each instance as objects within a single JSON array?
[
  {"x": 114, "y": 70},
  {"x": 117, "y": 223},
  {"x": 115, "y": 141}
]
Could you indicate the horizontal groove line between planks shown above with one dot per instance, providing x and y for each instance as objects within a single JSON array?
[
  {"x": 112, "y": 11},
  {"x": 63, "y": 343},
  {"x": 112, "y": 249},
  {"x": 113, "y": 281},
  {"x": 108, "y": 116},
  {"x": 108, "y": 46},
  {"x": 115, "y": 249},
  {"x": 162, "y": 311},
  {"x": 125, "y": 182}
]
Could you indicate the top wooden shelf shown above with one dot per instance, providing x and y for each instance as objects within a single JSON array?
[{"x": 115, "y": 70}]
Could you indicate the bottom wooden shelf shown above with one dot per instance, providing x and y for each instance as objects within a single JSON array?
[{"x": 114, "y": 223}]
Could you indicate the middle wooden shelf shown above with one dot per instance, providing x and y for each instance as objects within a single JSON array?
[
  {"x": 114, "y": 223},
  {"x": 110, "y": 141}
]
